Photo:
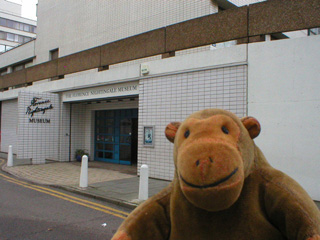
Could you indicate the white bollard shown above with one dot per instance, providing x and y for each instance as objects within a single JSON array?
[
  {"x": 84, "y": 172},
  {"x": 143, "y": 186},
  {"x": 10, "y": 157}
]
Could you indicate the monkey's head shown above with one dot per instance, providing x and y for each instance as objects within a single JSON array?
[{"x": 213, "y": 154}]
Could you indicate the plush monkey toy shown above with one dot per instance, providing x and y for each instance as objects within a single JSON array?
[{"x": 223, "y": 188}]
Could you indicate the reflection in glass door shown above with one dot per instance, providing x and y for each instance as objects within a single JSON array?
[{"x": 116, "y": 136}]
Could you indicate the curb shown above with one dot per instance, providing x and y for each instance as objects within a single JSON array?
[
  {"x": 115, "y": 201},
  {"x": 119, "y": 202}
]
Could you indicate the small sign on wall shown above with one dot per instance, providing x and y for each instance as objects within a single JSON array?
[{"x": 148, "y": 136}]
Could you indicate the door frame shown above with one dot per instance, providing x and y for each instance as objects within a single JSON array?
[{"x": 117, "y": 115}]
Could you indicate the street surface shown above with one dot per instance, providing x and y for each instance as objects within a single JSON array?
[{"x": 29, "y": 211}]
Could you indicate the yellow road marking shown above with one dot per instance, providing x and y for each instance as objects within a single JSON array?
[
  {"x": 79, "y": 201},
  {"x": 63, "y": 194}
]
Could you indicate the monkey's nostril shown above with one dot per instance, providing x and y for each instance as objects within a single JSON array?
[
  {"x": 197, "y": 163},
  {"x": 210, "y": 159}
]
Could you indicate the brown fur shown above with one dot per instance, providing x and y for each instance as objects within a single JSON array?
[{"x": 223, "y": 188}]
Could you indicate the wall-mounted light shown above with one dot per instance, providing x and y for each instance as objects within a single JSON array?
[{"x": 144, "y": 69}]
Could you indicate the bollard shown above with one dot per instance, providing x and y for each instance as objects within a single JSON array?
[
  {"x": 84, "y": 172},
  {"x": 143, "y": 186},
  {"x": 10, "y": 157}
]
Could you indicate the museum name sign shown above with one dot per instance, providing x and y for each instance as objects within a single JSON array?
[
  {"x": 102, "y": 92},
  {"x": 38, "y": 105}
]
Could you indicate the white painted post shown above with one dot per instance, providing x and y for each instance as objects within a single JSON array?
[
  {"x": 268, "y": 37},
  {"x": 143, "y": 186},
  {"x": 84, "y": 172},
  {"x": 10, "y": 157}
]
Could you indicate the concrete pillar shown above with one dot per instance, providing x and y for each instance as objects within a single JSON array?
[
  {"x": 84, "y": 172},
  {"x": 144, "y": 182},
  {"x": 10, "y": 157}
]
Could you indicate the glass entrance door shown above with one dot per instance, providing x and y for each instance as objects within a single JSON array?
[{"x": 115, "y": 132}]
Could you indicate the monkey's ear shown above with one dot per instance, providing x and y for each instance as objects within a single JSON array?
[
  {"x": 171, "y": 130},
  {"x": 252, "y": 125}
]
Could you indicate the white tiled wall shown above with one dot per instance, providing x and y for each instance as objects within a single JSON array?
[
  {"x": 78, "y": 120},
  {"x": 64, "y": 146},
  {"x": 93, "y": 23},
  {"x": 172, "y": 98},
  {"x": 38, "y": 141},
  {"x": 9, "y": 125}
]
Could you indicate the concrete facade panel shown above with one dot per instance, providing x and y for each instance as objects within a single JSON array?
[
  {"x": 283, "y": 94},
  {"x": 42, "y": 71},
  {"x": 283, "y": 16},
  {"x": 23, "y": 52},
  {"x": 227, "y": 25},
  {"x": 80, "y": 61},
  {"x": 15, "y": 78},
  {"x": 140, "y": 46}
]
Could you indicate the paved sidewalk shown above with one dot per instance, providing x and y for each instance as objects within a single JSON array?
[{"x": 109, "y": 182}]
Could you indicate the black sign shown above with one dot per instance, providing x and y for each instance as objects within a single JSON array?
[{"x": 37, "y": 105}]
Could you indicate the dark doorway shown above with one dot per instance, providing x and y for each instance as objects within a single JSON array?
[{"x": 116, "y": 134}]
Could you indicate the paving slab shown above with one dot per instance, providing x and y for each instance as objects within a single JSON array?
[{"x": 108, "y": 182}]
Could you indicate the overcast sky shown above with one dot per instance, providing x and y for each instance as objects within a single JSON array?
[{"x": 28, "y": 9}]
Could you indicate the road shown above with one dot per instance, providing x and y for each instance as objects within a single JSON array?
[{"x": 29, "y": 211}]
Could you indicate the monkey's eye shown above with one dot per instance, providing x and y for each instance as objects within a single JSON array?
[
  {"x": 186, "y": 134},
  {"x": 225, "y": 130}
]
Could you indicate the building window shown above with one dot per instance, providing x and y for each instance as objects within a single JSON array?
[
  {"x": 26, "y": 28},
  {"x": 18, "y": 67},
  {"x": 2, "y": 48},
  {"x": 22, "y": 65},
  {"x": 14, "y": 37},
  {"x": 54, "y": 54},
  {"x": 3, "y": 71},
  {"x": 9, "y": 23},
  {"x": 3, "y": 22},
  {"x": 17, "y": 25},
  {"x": 10, "y": 37}
]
